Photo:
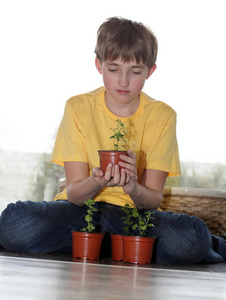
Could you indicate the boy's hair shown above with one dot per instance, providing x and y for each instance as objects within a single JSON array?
[{"x": 126, "y": 39}]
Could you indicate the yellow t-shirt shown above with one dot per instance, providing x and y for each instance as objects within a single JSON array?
[{"x": 86, "y": 127}]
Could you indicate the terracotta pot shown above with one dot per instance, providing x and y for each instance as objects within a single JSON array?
[
  {"x": 111, "y": 156},
  {"x": 116, "y": 247},
  {"x": 86, "y": 245},
  {"x": 137, "y": 250}
]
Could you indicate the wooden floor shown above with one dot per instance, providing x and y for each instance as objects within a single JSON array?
[{"x": 59, "y": 277}]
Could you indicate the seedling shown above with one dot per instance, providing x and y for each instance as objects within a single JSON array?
[
  {"x": 90, "y": 226},
  {"x": 127, "y": 219},
  {"x": 142, "y": 222},
  {"x": 119, "y": 135}
]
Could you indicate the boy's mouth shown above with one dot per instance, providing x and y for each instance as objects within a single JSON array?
[{"x": 122, "y": 92}]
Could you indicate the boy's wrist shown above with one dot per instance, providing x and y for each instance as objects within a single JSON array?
[
  {"x": 95, "y": 182},
  {"x": 135, "y": 193}
]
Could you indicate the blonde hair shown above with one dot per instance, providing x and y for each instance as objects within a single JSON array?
[{"x": 128, "y": 40}]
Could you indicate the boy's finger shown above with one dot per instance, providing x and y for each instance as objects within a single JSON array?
[
  {"x": 130, "y": 159},
  {"x": 108, "y": 172},
  {"x": 123, "y": 177},
  {"x": 116, "y": 178},
  {"x": 127, "y": 178},
  {"x": 131, "y": 154},
  {"x": 97, "y": 172}
]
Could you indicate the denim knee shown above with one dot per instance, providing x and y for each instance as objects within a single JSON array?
[
  {"x": 41, "y": 227},
  {"x": 182, "y": 239},
  {"x": 7, "y": 227},
  {"x": 197, "y": 243},
  {"x": 16, "y": 227}
]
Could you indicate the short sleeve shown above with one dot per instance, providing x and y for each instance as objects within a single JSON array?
[
  {"x": 165, "y": 154},
  {"x": 70, "y": 142}
]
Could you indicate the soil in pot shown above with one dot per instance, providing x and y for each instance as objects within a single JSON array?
[
  {"x": 138, "y": 250},
  {"x": 86, "y": 245},
  {"x": 111, "y": 156},
  {"x": 116, "y": 247}
]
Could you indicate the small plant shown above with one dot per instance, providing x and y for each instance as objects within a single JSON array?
[
  {"x": 90, "y": 227},
  {"x": 119, "y": 135},
  {"x": 138, "y": 221},
  {"x": 143, "y": 222},
  {"x": 130, "y": 212}
]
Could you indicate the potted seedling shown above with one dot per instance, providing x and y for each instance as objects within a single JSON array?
[
  {"x": 117, "y": 239},
  {"x": 86, "y": 243},
  {"x": 137, "y": 249},
  {"x": 113, "y": 156}
]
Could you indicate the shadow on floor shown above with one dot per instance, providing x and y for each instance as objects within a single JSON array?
[{"x": 106, "y": 260}]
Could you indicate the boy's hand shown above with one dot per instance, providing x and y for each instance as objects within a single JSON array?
[
  {"x": 106, "y": 179},
  {"x": 127, "y": 179},
  {"x": 102, "y": 178},
  {"x": 129, "y": 167}
]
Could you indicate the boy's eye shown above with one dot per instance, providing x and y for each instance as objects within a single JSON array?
[
  {"x": 112, "y": 70},
  {"x": 137, "y": 73}
]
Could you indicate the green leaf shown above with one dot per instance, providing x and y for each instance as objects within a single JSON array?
[
  {"x": 91, "y": 228},
  {"x": 91, "y": 201},
  {"x": 119, "y": 134},
  {"x": 88, "y": 218},
  {"x": 135, "y": 214}
]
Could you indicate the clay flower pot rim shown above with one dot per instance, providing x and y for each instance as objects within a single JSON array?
[
  {"x": 120, "y": 234},
  {"x": 85, "y": 233},
  {"x": 139, "y": 236},
  {"x": 123, "y": 151}
]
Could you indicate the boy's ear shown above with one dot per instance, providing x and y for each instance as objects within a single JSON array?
[
  {"x": 151, "y": 71},
  {"x": 98, "y": 65}
]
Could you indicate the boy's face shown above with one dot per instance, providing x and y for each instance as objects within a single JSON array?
[{"x": 123, "y": 80}]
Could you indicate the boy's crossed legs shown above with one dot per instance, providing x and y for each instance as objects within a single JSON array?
[{"x": 45, "y": 227}]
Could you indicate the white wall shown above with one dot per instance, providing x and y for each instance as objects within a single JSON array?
[{"x": 47, "y": 55}]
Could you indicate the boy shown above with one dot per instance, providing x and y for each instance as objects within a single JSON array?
[{"x": 126, "y": 53}]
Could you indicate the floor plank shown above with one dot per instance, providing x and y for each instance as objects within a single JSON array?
[{"x": 32, "y": 278}]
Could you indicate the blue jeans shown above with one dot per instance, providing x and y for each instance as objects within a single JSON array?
[{"x": 45, "y": 227}]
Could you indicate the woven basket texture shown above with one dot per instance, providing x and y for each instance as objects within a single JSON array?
[{"x": 208, "y": 205}]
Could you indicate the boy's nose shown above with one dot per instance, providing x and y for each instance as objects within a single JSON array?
[{"x": 123, "y": 81}]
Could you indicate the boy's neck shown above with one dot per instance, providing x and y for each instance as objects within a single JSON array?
[{"x": 121, "y": 109}]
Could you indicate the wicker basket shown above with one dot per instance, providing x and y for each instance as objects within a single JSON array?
[{"x": 208, "y": 205}]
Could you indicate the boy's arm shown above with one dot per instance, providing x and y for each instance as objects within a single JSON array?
[
  {"x": 149, "y": 192},
  {"x": 76, "y": 173},
  {"x": 80, "y": 186}
]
